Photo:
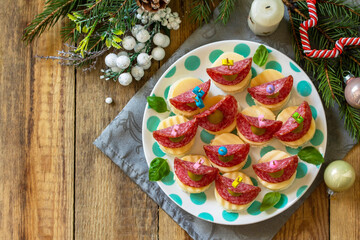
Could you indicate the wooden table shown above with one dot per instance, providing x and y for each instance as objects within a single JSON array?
[{"x": 55, "y": 184}]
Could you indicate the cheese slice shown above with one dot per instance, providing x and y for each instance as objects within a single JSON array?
[
  {"x": 284, "y": 115},
  {"x": 232, "y": 88},
  {"x": 180, "y": 87},
  {"x": 227, "y": 139},
  {"x": 171, "y": 121},
  {"x": 276, "y": 155},
  {"x": 228, "y": 206},
  {"x": 186, "y": 188},
  {"x": 266, "y": 76}
]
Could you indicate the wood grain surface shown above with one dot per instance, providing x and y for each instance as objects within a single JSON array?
[{"x": 55, "y": 184}]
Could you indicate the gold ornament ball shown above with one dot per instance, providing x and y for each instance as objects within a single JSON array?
[{"x": 339, "y": 176}]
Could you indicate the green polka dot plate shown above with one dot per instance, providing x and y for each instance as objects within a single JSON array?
[{"x": 204, "y": 205}]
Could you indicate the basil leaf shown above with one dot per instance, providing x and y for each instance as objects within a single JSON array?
[
  {"x": 157, "y": 103},
  {"x": 261, "y": 55},
  {"x": 311, "y": 155},
  {"x": 270, "y": 199},
  {"x": 159, "y": 168}
]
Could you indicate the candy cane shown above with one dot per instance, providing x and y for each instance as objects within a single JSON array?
[{"x": 339, "y": 45}]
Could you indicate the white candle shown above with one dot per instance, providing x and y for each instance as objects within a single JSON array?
[{"x": 265, "y": 16}]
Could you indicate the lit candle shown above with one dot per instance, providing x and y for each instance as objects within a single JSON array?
[{"x": 265, "y": 16}]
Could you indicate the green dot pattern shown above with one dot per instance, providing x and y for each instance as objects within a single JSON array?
[
  {"x": 242, "y": 49},
  {"x": 192, "y": 63},
  {"x": 254, "y": 208},
  {"x": 274, "y": 65},
  {"x": 215, "y": 54},
  {"x": 301, "y": 170},
  {"x": 152, "y": 123},
  {"x": 230, "y": 216},
  {"x": 198, "y": 198},
  {"x": 171, "y": 73},
  {"x": 318, "y": 138}
]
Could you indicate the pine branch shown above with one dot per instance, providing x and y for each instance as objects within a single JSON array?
[
  {"x": 336, "y": 19},
  {"x": 54, "y": 9},
  {"x": 226, "y": 7},
  {"x": 200, "y": 11}
]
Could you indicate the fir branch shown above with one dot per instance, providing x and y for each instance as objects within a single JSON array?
[
  {"x": 225, "y": 7},
  {"x": 200, "y": 11},
  {"x": 54, "y": 9}
]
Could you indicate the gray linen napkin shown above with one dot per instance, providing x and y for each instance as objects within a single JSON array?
[{"x": 126, "y": 129}]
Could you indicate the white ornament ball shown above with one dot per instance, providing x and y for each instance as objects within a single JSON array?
[
  {"x": 144, "y": 21},
  {"x": 143, "y": 36},
  {"x": 116, "y": 69},
  {"x": 143, "y": 59},
  {"x": 139, "y": 11},
  {"x": 164, "y": 22},
  {"x": 168, "y": 10},
  {"x": 139, "y": 46},
  {"x": 158, "y": 53},
  {"x": 162, "y": 13},
  {"x": 171, "y": 19},
  {"x": 175, "y": 14},
  {"x": 159, "y": 39},
  {"x": 166, "y": 42},
  {"x": 156, "y": 17},
  {"x": 137, "y": 72},
  {"x": 125, "y": 79},
  {"x": 174, "y": 25},
  {"x": 110, "y": 60},
  {"x": 108, "y": 100},
  {"x": 122, "y": 53},
  {"x": 128, "y": 43},
  {"x": 123, "y": 62},
  {"x": 146, "y": 66},
  {"x": 135, "y": 29}
]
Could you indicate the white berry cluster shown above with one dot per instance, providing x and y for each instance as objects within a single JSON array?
[{"x": 167, "y": 18}]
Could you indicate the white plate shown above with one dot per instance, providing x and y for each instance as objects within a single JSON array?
[{"x": 204, "y": 205}]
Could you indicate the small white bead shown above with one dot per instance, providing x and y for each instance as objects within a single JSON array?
[
  {"x": 110, "y": 60},
  {"x": 146, "y": 66},
  {"x": 159, "y": 39},
  {"x": 162, "y": 14},
  {"x": 125, "y": 79},
  {"x": 178, "y": 20},
  {"x": 139, "y": 11},
  {"x": 139, "y": 46},
  {"x": 175, "y": 14},
  {"x": 168, "y": 26},
  {"x": 143, "y": 59},
  {"x": 128, "y": 42},
  {"x": 144, "y": 21},
  {"x": 175, "y": 25},
  {"x": 164, "y": 22},
  {"x": 143, "y": 36},
  {"x": 168, "y": 10},
  {"x": 158, "y": 53},
  {"x": 123, "y": 62},
  {"x": 139, "y": 16},
  {"x": 171, "y": 19},
  {"x": 122, "y": 53},
  {"x": 108, "y": 100},
  {"x": 137, "y": 72},
  {"x": 116, "y": 69},
  {"x": 135, "y": 29},
  {"x": 156, "y": 17},
  {"x": 166, "y": 42}
]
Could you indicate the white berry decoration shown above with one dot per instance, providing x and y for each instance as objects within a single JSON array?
[
  {"x": 108, "y": 100},
  {"x": 166, "y": 42},
  {"x": 137, "y": 72},
  {"x": 125, "y": 79},
  {"x": 143, "y": 35},
  {"x": 158, "y": 53},
  {"x": 143, "y": 59},
  {"x": 110, "y": 60},
  {"x": 122, "y": 53},
  {"x": 159, "y": 39},
  {"x": 123, "y": 62},
  {"x": 135, "y": 29},
  {"x": 116, "y": 69},
  {"x": 128, "y": 43},
  {"x": 139, "y": 46},
  {"x": 146, "y": 66}
]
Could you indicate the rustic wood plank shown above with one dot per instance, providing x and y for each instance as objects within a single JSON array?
[
  {"x": 108, "y": 205},
  {"x": 37, "y": 132},
  {"x": 344, "y": 206},
  {"x": 310, "y": 221},
  {"x": 169, "y": 229}
]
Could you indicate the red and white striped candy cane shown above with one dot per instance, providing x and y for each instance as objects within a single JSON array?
[{"x": 339, "y": 45}]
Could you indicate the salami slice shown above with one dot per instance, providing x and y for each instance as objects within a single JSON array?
[
  {"x": 280, "y": 172},
  {"x": 171, "y": 138},
  {"x": 236, "y": 153},
  {"x": 292, "y": 130},
  {"x": 282, "y": 87},
  {"x": 245, "y": 123},
  {"x": 185, "y": 101},
  {"x": 240, "y": 69},
  {"x": 247, "y": 192},
  {"x": 224, "y": 111},
  {"x": 182, "y": 169}
]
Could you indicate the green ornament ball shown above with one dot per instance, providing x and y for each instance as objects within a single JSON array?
[{"x": 339, "y": 176}]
